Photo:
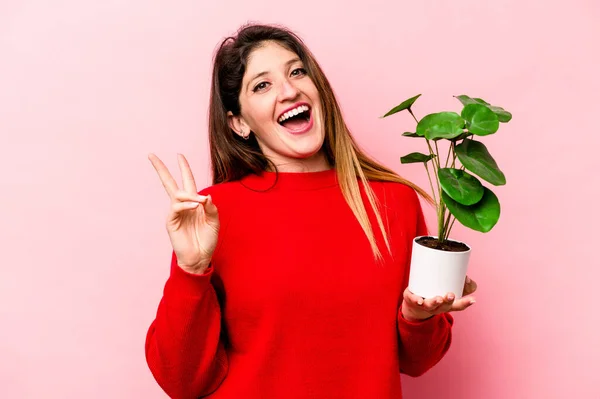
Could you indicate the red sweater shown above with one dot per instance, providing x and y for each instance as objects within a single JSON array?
[{"x": 294, "y": 305}]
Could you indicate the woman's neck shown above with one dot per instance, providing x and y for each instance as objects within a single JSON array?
[{"x": 315, "y": 163}]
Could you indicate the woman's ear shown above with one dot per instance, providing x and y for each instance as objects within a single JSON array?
[{"x": 237, "y": 124}]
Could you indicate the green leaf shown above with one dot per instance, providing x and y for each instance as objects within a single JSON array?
[
  {"x": 476, "y": 158},
  {"x": 415, "y": 157},
  {"x": 481, "y": 120},
  {"x": 410, "y": 134},
  {"x": 466, "y": 100},
  {"x": 462, "y": 187},
  {"x": 441, "y": 125},
  {"x": 404, "y": 105},
  {"x": 461, "y": 137},
  {"x": 503, "y": 115},
  {"x": 481, "y": 216}
]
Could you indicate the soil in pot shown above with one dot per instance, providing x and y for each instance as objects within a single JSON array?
[{"x": 448, "y": 245}]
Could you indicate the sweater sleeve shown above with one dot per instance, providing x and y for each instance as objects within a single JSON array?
[
  {"x": 183, "y": 347},
  {"x": 422, "y": 344}
]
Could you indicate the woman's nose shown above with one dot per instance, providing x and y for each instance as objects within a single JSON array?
[{"x": 287, "y": 90}]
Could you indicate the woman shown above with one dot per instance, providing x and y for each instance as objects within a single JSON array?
[{"x": 289, "y": 274}]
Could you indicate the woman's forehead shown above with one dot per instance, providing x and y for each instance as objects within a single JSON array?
[{"x": 269, "y": 56}]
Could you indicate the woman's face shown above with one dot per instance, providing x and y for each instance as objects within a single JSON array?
[{"x": 281, "y": 105}]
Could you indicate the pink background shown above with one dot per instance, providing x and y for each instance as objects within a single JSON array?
[{"x": 88, "y": 89}]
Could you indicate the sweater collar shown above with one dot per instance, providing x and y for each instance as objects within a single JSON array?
[{"x": 292, "y": 181}]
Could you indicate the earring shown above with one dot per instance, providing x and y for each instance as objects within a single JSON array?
[{"x": 247, "y": 136}]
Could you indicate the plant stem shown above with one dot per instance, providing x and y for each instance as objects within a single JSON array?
[
  {"x": 450, "y": 228},
  {"x": 436, "y": 165},
  {"x": 446, "y": 226},
  {"x": 443, "y": 228},
  {"x": 413, "y": 115},
  {"x": 439, "y": 203},
  {"x": 448, "y": 156},
  {"x": 431, "y": 185},
  {"x": 453, "y": 154},
  {"x": 437, "y": 156},
  {"x": 441, "y": 232}
]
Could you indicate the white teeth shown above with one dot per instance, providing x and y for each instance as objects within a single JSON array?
[{"x": 294, "y": 112}]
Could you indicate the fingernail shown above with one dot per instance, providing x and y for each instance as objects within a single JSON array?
[
  {"x": 420, "y": 301},
  {"x": 472, "y": 301},
  {"x": 450, "y": 297}
]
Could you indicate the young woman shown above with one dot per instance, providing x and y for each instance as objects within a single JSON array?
[{"x": 289, "y": 274}]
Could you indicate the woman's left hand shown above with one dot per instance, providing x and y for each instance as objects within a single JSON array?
[{"x": 416, "y": 308}]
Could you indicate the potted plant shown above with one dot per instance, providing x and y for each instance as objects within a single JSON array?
[{"x": 439, "y": 263}]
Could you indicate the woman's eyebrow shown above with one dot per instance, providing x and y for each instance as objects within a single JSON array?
[{"x": 263, "y": 73}]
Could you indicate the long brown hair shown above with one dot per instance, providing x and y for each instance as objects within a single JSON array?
[{"x": 232, "y": 157}]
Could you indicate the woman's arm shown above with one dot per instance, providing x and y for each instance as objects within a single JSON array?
[
  {"x": 183, "y": 346},
  {"x": 422, "y": 344}
]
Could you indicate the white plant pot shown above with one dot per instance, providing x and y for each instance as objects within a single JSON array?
[{"x": 434, "y": 272}]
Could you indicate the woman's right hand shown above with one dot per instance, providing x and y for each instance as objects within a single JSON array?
[{"x": 193, "y": 220}]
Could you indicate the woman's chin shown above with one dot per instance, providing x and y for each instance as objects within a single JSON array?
[{"x": 308, "y": 147}]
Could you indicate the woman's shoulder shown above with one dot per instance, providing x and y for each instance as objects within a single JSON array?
[
  {"x": 222, "y": 192},
  {"x": 399, "y": 199},
  {"x": 401, "y": 202}
]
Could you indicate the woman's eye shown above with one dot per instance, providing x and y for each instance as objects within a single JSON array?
[
  {"x": 260, "y": 86},
  {"x": 302, "y": 71}
]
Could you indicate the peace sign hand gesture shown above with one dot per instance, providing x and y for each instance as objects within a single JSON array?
[{"x": 193, "y": 220}]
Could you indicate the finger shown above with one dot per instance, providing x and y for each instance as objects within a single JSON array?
[
  {"x": 462, "y": 304},
  {"x": 165, "y": 176},
  {"x": 181, "y": 195},
  {"x": 431, "y": 304},
  {"x": 184, "y": 206},
  {"x": 210, "y": 208},
  {"x": 470, "y": 286},
  {"x": 412, "y": 298},
  {"x": 189, "y": 184},
  {"x": 446, "y": 306}
]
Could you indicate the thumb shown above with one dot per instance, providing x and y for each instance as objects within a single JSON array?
[{"x": 210, "y": 208}]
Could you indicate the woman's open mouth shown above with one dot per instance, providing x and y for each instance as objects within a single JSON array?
[{"x": 297, "y": 120}]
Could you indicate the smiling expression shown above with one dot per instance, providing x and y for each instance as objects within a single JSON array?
[{"x": 281, "y": 105}]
